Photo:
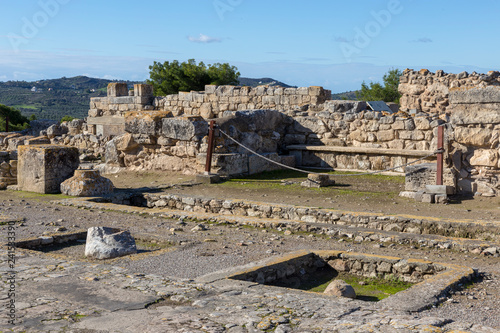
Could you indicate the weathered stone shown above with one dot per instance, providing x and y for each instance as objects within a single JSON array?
[
  {"x": 107, "y": 243},
  {"x": 145, "y": 122},
  {"x": 477, "y": 137},
  {"x": 117, "y": 89},
  {"x": 484, "y": 157},
  {"x": 441, "y": 198},
  {"x": 340, "y": 288},
  {"x": 143, "y": 90},
  {"x": 86, "y": 183},
  {"x": 317, "y": 180},
  {"x": 428, "y": 197},
  {"x": 490, "y": 94},
  {"x": 467, "y": 114},
  {"x": 43, "y": 168},
  {"x": 56, "y": 130},
  {"x": 256, "y": 164},
  {"x": 184, "y": 128}
]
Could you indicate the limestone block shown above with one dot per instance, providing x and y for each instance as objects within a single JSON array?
[
  {"x": 388, "y": 135},
  {"x": 466, "y": 95},
  {"x": 228, "y": 164},
  {"x": 95, "y": 113},
  {"x": 315, "y": 91},
  {"x": 56, "y": 130},
  {"x": 317, "y": 181},
  {"x": 478, "y": 137},
  {"x": 398, "y": 125},
  {"x": 428, "y": 197},
  {"x": 210, "y": 89},
  {"x": 42, "y": 168},
  {"x": 143, "y": 90},
  {"x": 40, "y": 140},
  {"x": 184, "y": 128},
  {"x": 107, "y": 243},
  {"x": 145, "y": 122},
  {"x": 340, "y": 288},
  {"x": 142, "y": 100},
  {"x": 309, "y": 125},
  {"x": 86, "y": 183},
  {"x": 121, "y": 100},
  {"x": 224, "y": 91},
  {"x": 206, "y": 111},
  {"x": 484, "y": 157},
  {"x": 117, "y": 89},
  {"x": 466, "y": 114}
]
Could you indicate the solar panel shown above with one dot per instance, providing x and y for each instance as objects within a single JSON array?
[{"x": 379, "y": 106}]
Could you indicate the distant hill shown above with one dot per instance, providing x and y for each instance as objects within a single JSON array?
[
  {"x": 348, "y": 95},
  {"x": 56, "y": 98},
  {"x": 245, "y": 81},
  {"x": 53, "y": 99}
]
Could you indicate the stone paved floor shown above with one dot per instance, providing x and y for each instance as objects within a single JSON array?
[
  {"x": 54, "y": 294},
  {"x": 63, "y": 296}
]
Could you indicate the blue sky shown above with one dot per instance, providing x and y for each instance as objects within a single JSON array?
[{"x": 335, "y": 44}]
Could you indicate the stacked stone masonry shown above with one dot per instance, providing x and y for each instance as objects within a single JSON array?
[
  {"x": 322, "y": 216},
  {"x": 470, "y": 103},
  {"x": 293, "y": 126}
]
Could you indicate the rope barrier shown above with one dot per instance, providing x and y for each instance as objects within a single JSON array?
[{"x": 318, "y": 173}]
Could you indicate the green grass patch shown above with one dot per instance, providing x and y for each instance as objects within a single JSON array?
[
  {"x": 291, "y": 174},
  {"x": 34, "y": 195},
  {"x": 367, "y": 289},
  {"x": 26, "y": 106}
]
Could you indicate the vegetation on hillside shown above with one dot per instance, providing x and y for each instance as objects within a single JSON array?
[
  {"x": 172, "y": 77},
  {"x": 378, "y": 92},
  {"x": 53, "y": 99},
  {"x": 17, "y": 121}
]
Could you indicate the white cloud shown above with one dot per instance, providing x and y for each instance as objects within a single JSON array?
[
  {"x": 422, "y": 40},
  {"x": 204, "y": 39}
]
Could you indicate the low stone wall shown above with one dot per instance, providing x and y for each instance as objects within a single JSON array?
[
  {"x": 300, "y": 267},
  {"x": 372, "y": 266},
  {"x": 323, "y": 216}
]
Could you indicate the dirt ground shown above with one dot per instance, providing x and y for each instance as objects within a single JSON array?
[{"x": 375, "y": 194}]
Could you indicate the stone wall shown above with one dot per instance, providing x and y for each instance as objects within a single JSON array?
[
  {"x": 470, "y": 103},
  {"x": 215, "y": 100},
  {"x": 322, "y": 216},
  {"x": 429, "y": 92},
  {"x": 292, "y": 271}
]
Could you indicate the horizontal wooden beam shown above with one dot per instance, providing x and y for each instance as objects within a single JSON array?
[{"x": 362, "y": 150}]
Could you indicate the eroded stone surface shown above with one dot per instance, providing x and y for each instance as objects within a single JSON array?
[
  {"x": 106, "y": 243},
  {"x": 86, "y": 183}
]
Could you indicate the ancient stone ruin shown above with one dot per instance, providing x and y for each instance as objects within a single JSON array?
[{"x": 293, "y": 126}]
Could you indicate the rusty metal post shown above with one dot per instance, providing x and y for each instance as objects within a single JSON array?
[
  {"x": 210, "y": 150},
  {"x": 440, "y": 147},
  {"x": 6, "y": 123}
]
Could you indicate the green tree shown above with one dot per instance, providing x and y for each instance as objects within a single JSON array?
[
  {"x": 171, "y": 77},
  {"x": 17, "y": 121},
  {"x": 378, "y": 92}
]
